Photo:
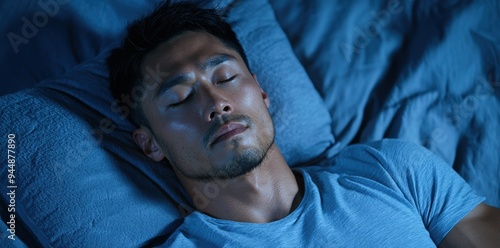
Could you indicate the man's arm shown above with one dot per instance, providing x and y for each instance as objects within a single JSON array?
[{"x": 479, "y": 228}]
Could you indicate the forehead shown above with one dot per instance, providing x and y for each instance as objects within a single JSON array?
[{"x": 187, "y": 49}]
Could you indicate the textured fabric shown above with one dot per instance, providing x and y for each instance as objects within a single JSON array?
[
  {"x": 422, "y": 71},
  {"x": 70, "y": 191},
  {"x": 383, "y": 194}
]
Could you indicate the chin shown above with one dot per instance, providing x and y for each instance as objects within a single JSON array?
[
  {"x": 238, "y": 163},
  {"x": 239, "y": 157}
]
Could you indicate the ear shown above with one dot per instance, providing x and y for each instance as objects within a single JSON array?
[
  {"x": 145, "y": 140},
  {"x": 262, "y": 92}
]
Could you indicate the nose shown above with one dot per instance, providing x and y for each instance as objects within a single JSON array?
[{"x": 216, "y": 104}]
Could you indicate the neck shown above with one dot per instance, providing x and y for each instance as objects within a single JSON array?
[{"x": 267, "y": 193}]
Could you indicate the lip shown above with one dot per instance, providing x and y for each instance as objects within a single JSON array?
[{"x": 227, "y": 131}]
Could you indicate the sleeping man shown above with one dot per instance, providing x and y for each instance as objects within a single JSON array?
[{"x": 207, "y": 116}]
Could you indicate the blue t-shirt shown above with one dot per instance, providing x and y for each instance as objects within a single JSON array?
[{"x": 383, "y": 194}]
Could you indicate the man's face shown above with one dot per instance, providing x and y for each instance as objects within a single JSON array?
[{"x": 208, "y": 116}]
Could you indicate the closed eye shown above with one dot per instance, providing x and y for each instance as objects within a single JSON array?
[
  {"x": 227, "y": 80},
  {"x": 185, "y": 100}
]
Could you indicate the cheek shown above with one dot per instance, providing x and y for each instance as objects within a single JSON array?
[
  {"x": 175, "y": 134},
  {"x": 177, "y": 143},
  {"x": 177, "y": 126},
  {"x": 252, "y": 102},
  {"x": 250, "y": 97}
]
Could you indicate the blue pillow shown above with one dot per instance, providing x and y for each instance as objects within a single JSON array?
[{"x": 81, "y": 177}]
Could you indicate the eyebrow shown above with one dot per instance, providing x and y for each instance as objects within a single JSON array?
[
  {"x": 181, "y": 78},
  {"x": 215, "y": 61}
]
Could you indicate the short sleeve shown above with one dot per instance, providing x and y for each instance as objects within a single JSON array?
[{"x": 429, "y": 185}]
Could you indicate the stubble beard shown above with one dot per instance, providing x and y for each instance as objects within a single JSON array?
[{"x": 243, "y": 162}]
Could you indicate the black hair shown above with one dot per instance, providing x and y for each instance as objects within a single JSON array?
[{"x": 164, "y": 23}]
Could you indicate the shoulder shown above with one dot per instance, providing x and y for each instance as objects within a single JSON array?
[
  {"x": 387, "y": 150},
  {"x": 398, "y": 165},
  {"x": 389, "y": 166},
  {"x": 389, "y": 155}
]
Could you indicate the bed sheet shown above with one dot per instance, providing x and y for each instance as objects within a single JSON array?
[{"x": 424, "y": 71}]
